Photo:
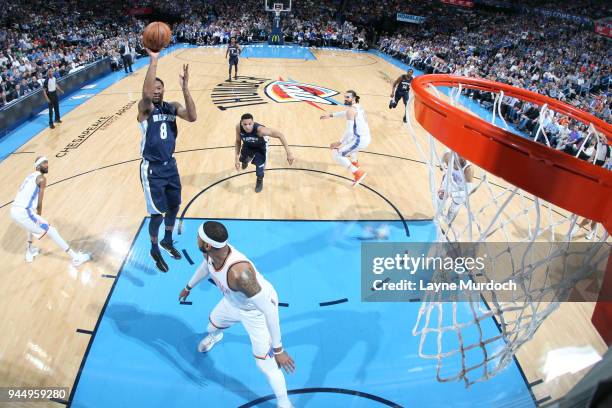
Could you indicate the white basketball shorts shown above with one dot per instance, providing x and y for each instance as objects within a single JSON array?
[
  {"x": 225, "y": 315},
  {"x": 27, "y": 219}
]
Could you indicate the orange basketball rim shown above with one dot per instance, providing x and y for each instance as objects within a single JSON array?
[{"x": 554, "y": 176}]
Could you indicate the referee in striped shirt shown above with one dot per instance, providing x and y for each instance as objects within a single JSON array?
[{"x": 50, "y": 90}]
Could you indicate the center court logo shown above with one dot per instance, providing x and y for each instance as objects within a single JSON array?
[
  {"x": 292, "y": 91},
  {"x": 244, "y": 91}
]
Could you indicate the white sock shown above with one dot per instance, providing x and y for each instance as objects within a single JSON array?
[
  {"x": 57, "y": 238},
  {"x": 212, "y": 330},
  {"x": 276, "y": 379},
  {"x": 343, "y": 161},
  {"x": 29, "y": 240}
]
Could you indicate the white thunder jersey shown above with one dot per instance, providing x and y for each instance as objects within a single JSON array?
[
  {"x": 458, "y": 186},
  {"x": 361, "y": 128},
  {"x": 237, "y": 299},
  {"x": 27, "y": 196}
]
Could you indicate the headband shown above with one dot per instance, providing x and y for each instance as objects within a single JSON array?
[
  {"x": 40, "y": 161},
  {"x": 208, "y": 240}
]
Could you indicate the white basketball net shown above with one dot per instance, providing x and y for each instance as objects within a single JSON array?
[{"x": 488, "y": 210}]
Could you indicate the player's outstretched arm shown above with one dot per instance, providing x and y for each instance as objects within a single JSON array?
[
  {"x": 264, "y": 131},
  {"x": 394, "y": 85},
  {"x": 340, "y": 114},
  {"x": 241, "y": 277},
  {"x": 238, "y": 146},
  {"x": 200, "y": 274},
  {"x": 145, "y": 106},
  {"x": 188, "y": 112}
]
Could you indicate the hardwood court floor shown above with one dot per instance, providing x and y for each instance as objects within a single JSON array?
[{"x": 95, "y": 198}]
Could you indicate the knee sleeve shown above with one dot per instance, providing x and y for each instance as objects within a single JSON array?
[
  {"x": 267, "y": 365},
  {"x": 57, "y": 238},
  {"x": 154, "y": 223},
  {"x": 170, "y": 217},
  {"x": 275, "y": 377}
]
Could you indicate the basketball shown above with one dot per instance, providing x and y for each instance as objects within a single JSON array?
[{"x": 156, "y": 36}]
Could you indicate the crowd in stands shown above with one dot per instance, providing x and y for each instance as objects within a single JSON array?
[
  {"x": 553, "y": 56},
  {"x": 594, "y": 9},
  {"x": 309, "y": 23},
  {"x": 560, "y": 59},
  {"x": 39, "y": 35}
]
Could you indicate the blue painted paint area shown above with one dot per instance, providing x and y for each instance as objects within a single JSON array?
[
  {"x": 144, "y": 352},
  {"x": 26, "y": 131},
  {"x": 277, "y": 51}
]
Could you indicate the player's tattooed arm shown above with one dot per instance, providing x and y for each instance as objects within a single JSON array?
[{"x": 241, "y": 278}]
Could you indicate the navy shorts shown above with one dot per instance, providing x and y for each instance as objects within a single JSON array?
[
  {"x": 403, "y": 96},
  {"x": 255, "y": 155},
  {"x": 161, "y": 184},
  {"x": 233, "y": 61}
]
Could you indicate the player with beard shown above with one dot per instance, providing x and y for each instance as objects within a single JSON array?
[{"x": 356, "y": 136}]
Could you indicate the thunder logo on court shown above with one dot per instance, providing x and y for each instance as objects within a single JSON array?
[{"x": 291, "y": 91}]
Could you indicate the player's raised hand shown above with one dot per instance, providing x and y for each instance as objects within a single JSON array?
[
  {"x": 285, "y": 361},
  {"x": 152, "y": 54},
  {"x": 184, "y": 77},
  {"x": 183, "y": 295}
]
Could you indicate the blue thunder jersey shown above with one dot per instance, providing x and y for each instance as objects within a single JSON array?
[
  {"x": 404, "y": 85},
  {"x": 233, "y": 51},
  {"x": 159, "y": 133},
  {"x": 251, "y": 139}
]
